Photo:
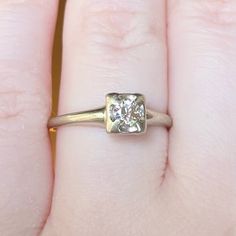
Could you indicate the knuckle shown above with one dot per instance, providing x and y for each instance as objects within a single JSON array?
[
  {"x": 211, "y": 12},
  {"x": 9, "y": 104},
  {"x": 118, "y": 26},
  {"x": 219, "y": 12},
  {"x": 22, "y": 106},
  {"x": 17, "y": 103}
]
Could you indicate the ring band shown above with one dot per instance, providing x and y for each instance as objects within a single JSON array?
[{"x": 123, "y": 113}]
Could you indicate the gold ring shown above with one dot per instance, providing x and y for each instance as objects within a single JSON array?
[{"x": 124, "y": 113}]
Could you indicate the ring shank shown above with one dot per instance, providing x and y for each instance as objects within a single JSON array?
[
  {"x": 93, "y": 116},
  {"x": 158, "y": 119},
  {"x": 97, "y": 117}
]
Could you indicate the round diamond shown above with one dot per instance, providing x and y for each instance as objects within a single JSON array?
[{"x": 128, "y": 113}]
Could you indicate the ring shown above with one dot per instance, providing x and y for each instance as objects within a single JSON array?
[{"x": 124, "y": 113}]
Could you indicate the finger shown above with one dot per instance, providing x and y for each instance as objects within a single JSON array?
[
  {"x": 25, "y": 164},
  {"x": 109, "y": 46},
  {"x": 203, "y": 105}
]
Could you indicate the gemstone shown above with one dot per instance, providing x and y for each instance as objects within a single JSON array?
[{"x": 127, "y": 113}]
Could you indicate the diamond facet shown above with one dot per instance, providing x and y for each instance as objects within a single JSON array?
[{"x": 126, "y": 113}]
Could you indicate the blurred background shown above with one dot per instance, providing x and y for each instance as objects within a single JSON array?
[{"x": 56, "y": 63}]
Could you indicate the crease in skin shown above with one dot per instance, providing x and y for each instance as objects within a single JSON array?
[
  {"x": 25, "y": 2},
  {"x": 120, "y": 27},
  {"x": 219, "y": 12},
  {"x": 18, "y": 103},
  {"x": 119, "y": 48},
  {"x": 23, "y": 111},
  {"x": 216, "y": 13},
  {"x": 115, "y": 5},
  {"x": 9, "y": 104},
  {"x": 13, "y": 1},
  {"x": 166, "y": 167}
]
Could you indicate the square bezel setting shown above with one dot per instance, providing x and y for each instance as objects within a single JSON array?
[{"x": 125, "y": 113}]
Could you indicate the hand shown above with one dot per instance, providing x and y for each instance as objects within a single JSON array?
[{"x": 176, "y": 183}]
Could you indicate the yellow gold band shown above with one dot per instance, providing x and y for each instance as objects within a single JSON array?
[
  {"x": 123, "y": 113},
  {"x": 97, "y": 116}
]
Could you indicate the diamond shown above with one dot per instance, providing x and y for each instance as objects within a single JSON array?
[{"x": 126, "y": 113}]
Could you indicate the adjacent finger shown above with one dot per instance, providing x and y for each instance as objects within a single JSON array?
[
  {"x": 25, "y": 163},
  {"x": 203, "y": 105}
]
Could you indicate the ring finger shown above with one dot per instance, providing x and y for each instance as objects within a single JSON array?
[{"x": 110, "y": 46}]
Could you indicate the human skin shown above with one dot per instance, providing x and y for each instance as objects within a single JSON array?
[{"x": 181, "y": 55}]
